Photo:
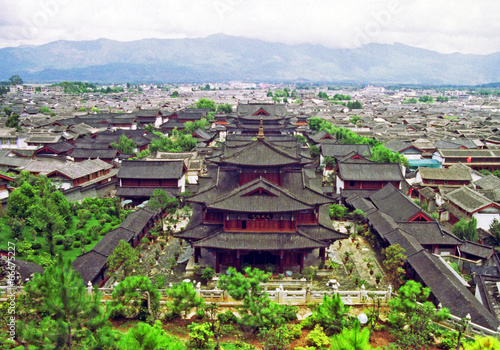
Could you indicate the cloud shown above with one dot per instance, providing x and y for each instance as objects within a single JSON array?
[{"x": 467, "y": 26}]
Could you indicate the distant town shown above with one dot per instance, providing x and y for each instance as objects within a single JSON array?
[{"x": 313, "y": 190}]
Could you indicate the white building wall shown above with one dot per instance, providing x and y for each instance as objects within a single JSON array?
[
  {"x": 192, "y": 177},
  {"x": 339, "y": 184},
  {"x": 182, "y": 183},
  {"x": 484, "y": 220},
  {"x": 418, "y": 177},
  {"x": 4, "y": 194},
  {"x": 411, "y": 156},
  {"x": 438, "y": 157}
]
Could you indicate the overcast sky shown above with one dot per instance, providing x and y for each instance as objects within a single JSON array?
[{"x": 467, "y": 26}]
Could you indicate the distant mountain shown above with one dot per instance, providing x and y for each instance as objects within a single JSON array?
[{"x": 222, "y": 57}]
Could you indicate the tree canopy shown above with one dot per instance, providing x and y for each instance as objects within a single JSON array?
[
  {"x": 15, "y": 80},
  {"x": 411, "y": 322},
  {"x": 124, "y": 257},
  {"x": 135, "y": 297},
  {"x": 206, "y": 103},
  {"x": 464, "y": 229},
  {"x": 125, "y": 145},
  {"x": 184, "y": 298},
  {"x": 161, "y": 200},
  {"x": 393, "y": 262},
  {"x": 179, "y": 142},
  {"x": 225, "y": 108},
  {"x": 354, "y": 105},
  {"x": 57, "y": 312},
  {"x": 380, "y": 153}
]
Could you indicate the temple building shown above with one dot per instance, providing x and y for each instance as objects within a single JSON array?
[
  {"x": 276, "y": 119},
  {"x": 262, "y": 205}
]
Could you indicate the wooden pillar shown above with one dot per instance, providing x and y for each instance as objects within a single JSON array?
[
  {"x": 322, "y": 253},
  {"x": 196, "y": 254},
  {"x": 301, "y": 261},
  {"x": 282, "y": 258},
  {"x": 217, "y": 262},
  {"x": 238, "y": 260}
]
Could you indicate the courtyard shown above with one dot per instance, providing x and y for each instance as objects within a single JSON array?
[{"x": 351, "y": 263}]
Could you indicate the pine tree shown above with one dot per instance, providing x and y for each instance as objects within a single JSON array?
[
  {"x": 123, "y": 256},
  {"x": 393, "y": 263},
  {"x": 184, "y": 298},
  {"x": 330, "y": 314},
  {"x": 352, "y": 339},
  {"x": 55, "y": 311}
]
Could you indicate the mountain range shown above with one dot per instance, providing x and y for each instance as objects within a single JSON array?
[{"x": 221, "y": 57}]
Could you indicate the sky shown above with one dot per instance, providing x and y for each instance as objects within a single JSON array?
[{"x": 446, "y": 26}]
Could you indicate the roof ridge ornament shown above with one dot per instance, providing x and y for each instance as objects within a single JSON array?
[{"x": 260, "y": 135}]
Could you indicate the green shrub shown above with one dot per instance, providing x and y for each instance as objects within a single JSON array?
[
  {"x": 200, "y": 313},
  {"x": 448, "y": 341},
  {"x": 68, "y": 241},
  {"x": 287, "y": 312},
  {"x": 227, "y": 317},
  {"x": 105, "y": 230},
  {"x": 337, "y": 212},
  {"x": 208, "y": 273},
  {"x": 77, "y": 244},
  {"x": 58, "y": 239},
  {"x": 36, "y": 245},
  {"x": 106, "y": 217},
  {"x": 317, "y": 338},
  {"x": 79, "y": 234},
  {"x": 295, "y": 330},
  {"x": 84, "y": 215}
]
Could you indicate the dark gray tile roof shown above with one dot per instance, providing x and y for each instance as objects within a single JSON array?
[
  {"x": 488, "y": 182},
  {"x": 26, "y": 268},
  {"x": 429, "y": 233},
  {"x": 60, "y": 147},
  {"x": 137, "y": 220},
  {"x": 151, "y": 169},
  {"x": 147, "y": 113},
  {"x": 391, "y": 201},
  {"x": 275, "y": 111},
  {"x": 353, "y": 171},
  {"x": 81, "y": 169},
  {"x": 452, "y": 174},
  {"x": 409, "y": 243},
  {"x": 318, "y": 137},
  {"x": 279, "y": 200},
  {"x": 94, "y": 153},
  {"x": 361, "y": 203},
  {"x": 356, "y": 193},
  {"x": 466, "y": 153},
  {"x": 468, "y": 199},
  {"x": 324, "y": 231},
  {"x": 449, "y": 291},
  {"x": 110, "y": 241},
  {"x": 89, "y": 265},
  {"x": 259, "y": 241},
  {"x": 427, "y": 193},
  {"x": 171, "y": 124},
  {"x": 382, "y": 222},
  {"x": 341, "y": 150},
  {"x": 479, "y": 250},
  {"x": 259, "y": 153}
]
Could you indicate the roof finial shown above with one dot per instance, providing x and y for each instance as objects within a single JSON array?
[{"x": 260, "y": 135}]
